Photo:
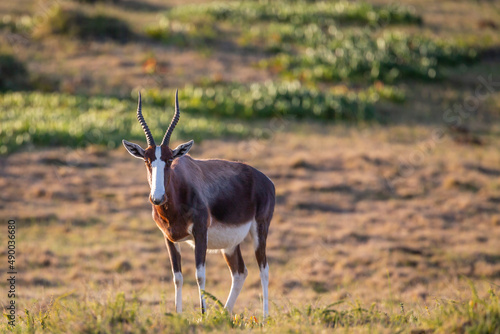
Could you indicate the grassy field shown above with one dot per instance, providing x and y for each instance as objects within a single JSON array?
[
  {"x": 117, "y": 313},
  {"x": 377, "y": 121},
  {"x": 340, "y": 235}
]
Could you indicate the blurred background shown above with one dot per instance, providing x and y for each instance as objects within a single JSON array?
[{"x": 376, "y": 120}]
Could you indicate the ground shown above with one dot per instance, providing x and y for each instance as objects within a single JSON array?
[{"x": 340, "y": 231}]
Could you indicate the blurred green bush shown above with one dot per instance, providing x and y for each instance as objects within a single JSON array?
[
  {"x": 297, "y": 12},
  {"x": 358, "y": 55},
  {"x": 201, "y": 23},
  {"x": 278, "y": 99},
  {"x": 40, "y": 119},
  {"x": 216, "y": 110},
  {"x": 318, "y": 41},
  {"x": 13, "y": 74}
]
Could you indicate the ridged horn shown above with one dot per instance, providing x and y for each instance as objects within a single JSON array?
[
  {"x": 140, "y": 118},
  {"x": 175, "y": 119}
]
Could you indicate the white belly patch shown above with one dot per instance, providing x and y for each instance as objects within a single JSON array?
[{"x": 222, "y": 236}]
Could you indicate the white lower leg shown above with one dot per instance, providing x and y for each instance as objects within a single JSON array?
[
  {"x": 237, "y": 283},
  {"x": 200, "y": 278},
  {"x": 178, "y": 291},
  {"x": 264, "y": 279}
]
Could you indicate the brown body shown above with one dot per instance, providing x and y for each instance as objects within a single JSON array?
[{"x": 202, "y": 191}]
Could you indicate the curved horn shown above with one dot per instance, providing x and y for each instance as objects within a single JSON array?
[
  {"x": 175, "y": 119},
  {"x": 140, "y": 118}
]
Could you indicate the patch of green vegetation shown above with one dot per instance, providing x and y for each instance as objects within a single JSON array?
[
  {"x": 73, "y": 22},
  {"x": 358, "y": 55},
  {"x": 119, "y": 313},
  {"x": 78, "y": 121},
  {"x": 478, "y": 315},
  {"x": 313, "y": 41},
  {"x": 297, "y": 12},
  {"x": 191, "y": 25},
  {"x": 197, "y": 32},
  {"x": 271, "y": 99}
]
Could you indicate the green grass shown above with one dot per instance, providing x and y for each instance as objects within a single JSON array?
[
  {"x": 192, "y": 25},
  {"x": 210, "y": 112},
  {"x": 313, "y": 41},
  {"x": 76, "y": 121},
  {"x": 359, "y": 56},
  {"x": 116, "y": 312},
  {"x": 297, "y": 12},
  {"x": 477, "y": 315},
  {"x": 280, "y": 99},
  {"x": 71, "y": 21},
  {"x": 317, "y": 42},
  {"x": 198, "y": 33}
]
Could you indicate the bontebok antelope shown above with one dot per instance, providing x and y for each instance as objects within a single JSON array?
[{"x": 211, "y": 204}]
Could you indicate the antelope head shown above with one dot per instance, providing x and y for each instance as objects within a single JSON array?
[{"x": 158, "y": 158}]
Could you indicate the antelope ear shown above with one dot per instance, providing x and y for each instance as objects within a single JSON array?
[
  {"x": 134, "y": 149},
  {"x": 182, "y": 149}
]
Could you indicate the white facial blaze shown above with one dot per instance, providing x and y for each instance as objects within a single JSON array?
[{"x": 157, "y": 177}]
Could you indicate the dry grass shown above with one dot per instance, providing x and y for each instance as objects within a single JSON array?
[{"x": 339, "y": 232}]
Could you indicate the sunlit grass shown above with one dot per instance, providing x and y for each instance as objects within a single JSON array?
[
  {"x": 297, "y": 12},
  {"x": 280, "y": 99},
  {"x": 357, "y": 55},
  {"x": 77, "y": 121},
  {"x": 313, "y": 41},
  {"x": 115, "y": 312},
  {"x": 192, "y": 25}
]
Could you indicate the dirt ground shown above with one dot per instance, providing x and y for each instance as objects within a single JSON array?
[{"x": 372, "y": 214}]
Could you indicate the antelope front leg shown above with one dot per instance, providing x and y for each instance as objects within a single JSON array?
[
  {"x": 175, "y": 259},
  {"x": 200, "y": 252}
]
